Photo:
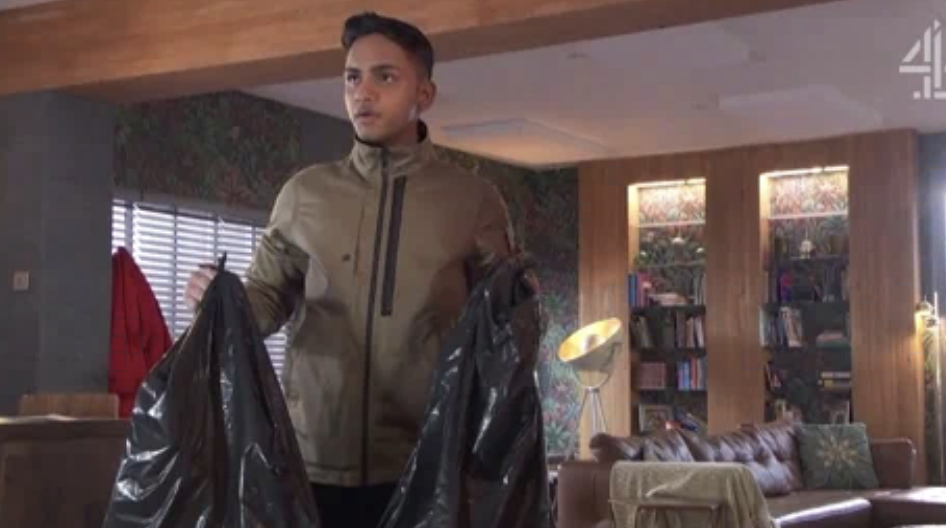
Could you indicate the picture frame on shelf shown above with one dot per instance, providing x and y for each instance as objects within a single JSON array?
[
  {"x": 653, "y": 418},
  {"x": 839, "y": 412}
]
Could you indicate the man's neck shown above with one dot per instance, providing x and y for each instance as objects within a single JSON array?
[{"x": 409, "y": 137}]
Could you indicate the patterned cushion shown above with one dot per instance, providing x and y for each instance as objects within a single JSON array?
[{"x": 836, "y": 457}]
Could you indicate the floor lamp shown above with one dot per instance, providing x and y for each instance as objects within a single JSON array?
[{"x": 592, "y": 350}]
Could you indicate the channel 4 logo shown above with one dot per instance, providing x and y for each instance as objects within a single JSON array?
[{"x": 926, "y": 58}]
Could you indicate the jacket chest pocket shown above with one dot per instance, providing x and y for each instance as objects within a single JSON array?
[{"x": 330, "y": 243}]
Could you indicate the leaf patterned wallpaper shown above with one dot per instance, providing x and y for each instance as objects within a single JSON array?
[
  {"x": 238, "y": 150},
  {"x": 809, "y": 194},
  {"x": 225, "y": 148},
  {"x": 672, "y": 204},
  {"x": 543, "y": 207}
]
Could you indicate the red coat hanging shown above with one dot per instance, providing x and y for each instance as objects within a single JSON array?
[{"x": 140, "y": 335}]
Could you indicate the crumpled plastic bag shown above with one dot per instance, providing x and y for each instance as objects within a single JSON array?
[
  {"x": 480, "y": 461},
  {"x": 211, "y": 444}
]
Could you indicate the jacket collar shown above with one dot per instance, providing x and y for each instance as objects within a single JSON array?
[{"x": 367, "y": 158}]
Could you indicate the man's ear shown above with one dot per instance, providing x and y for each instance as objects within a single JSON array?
[{"x": 428, "y": 93}]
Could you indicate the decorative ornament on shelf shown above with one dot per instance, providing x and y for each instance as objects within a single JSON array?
[{"x": 806, "y": 247}]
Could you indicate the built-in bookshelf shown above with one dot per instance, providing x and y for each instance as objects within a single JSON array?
[
  {"x": 805, "y": 327},
  {"x": 666, "y": 294}
]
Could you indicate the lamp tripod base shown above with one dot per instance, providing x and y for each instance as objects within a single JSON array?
[{"x": 599, "y": 424}]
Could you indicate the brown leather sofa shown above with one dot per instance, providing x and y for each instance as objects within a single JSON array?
[{"x": 771, "y": 454}]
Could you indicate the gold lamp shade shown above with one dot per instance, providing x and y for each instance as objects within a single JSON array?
[
  {"x": 592, "y": 348},
  {"x": 591, "y": 351}
]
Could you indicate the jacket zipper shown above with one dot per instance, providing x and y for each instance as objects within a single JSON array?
[
  {"x": 369, "y": 335},
  {"x": 394, "y": 238}
]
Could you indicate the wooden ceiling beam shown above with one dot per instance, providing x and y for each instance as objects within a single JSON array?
[{"x": 127, "y": 51}]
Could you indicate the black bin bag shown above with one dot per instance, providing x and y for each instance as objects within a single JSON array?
[
  {"x": 480, "y": 460},
  {"x": 211, "y": 444}
]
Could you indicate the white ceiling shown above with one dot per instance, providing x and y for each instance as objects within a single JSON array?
[{"x": 810, "y": 72}]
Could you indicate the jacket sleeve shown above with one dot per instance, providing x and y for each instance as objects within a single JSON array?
[
  {"x": 493, "y": 237},
  {"x": 276, "y": 277}
]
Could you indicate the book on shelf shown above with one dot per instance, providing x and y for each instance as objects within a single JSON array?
[
  {"x": 772, "y": 379},
  {"x": 691, "y": 374},
  {"x": 699, "y": 288},
  {"x": 832, "y": 339},
  {"x": 639, "y": 288},
  {"x": 640, "y": 332},
  {"x": 675, "y": 330},
  {"x": 682, "y": 330},
  {"x": 782, "y": 329},
  {"x": 695, "y": 333},
  {"x": 652, "y": 375}
]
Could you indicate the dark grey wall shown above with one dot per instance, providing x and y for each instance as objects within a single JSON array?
[
  {"x": 57, "y": 177},
  {"x": 932, "y": 200},
  {"x": 932, "y": 159},
  {"x": 56, "y": 156}
]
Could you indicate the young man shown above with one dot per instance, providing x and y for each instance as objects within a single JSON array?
[{"x": 373, "y": 257}]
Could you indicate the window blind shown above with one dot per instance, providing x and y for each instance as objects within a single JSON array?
[{"x": 168, "y": 244}]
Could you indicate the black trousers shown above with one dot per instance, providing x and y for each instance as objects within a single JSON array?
[{"x": 352, "y": 507}]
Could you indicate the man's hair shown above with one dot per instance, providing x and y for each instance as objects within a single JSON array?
[{"x": 405, "y": 35}]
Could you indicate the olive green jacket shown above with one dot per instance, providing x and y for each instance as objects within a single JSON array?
[{"x": 372, "y": 258}]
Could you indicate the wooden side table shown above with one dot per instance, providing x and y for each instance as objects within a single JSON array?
[{"x": 58, "y": 471}]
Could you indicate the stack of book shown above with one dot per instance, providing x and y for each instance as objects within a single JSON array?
[
  {"x": 689, "y": 331},
  {"x": 835, "y": 381},
  {"x": 676, "y": 329},
  {"x": 832, "y": 339}
]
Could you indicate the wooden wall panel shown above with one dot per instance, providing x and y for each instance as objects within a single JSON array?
[
  {"x": 602, "y": 282},
  {"x": 734, "y": 291},
  {"x": 884, "y": 270},
  {"x": 888, "y": 368}
]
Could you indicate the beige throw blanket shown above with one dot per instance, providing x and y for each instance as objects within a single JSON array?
[{"x": 731, "y": 486}]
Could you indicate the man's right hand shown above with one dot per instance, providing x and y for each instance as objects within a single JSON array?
[{"x": 197, "y": 285}]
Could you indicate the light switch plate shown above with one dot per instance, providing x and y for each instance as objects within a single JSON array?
[{"x": 21, "y": 281}]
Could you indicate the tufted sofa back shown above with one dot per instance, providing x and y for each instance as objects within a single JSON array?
[{"x": 769, "y": 451}]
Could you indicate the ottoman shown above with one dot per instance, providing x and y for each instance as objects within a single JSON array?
[{"x": 919, "y": 506}]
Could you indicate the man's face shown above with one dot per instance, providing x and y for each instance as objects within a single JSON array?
[{"x": 385, "y": 91}]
